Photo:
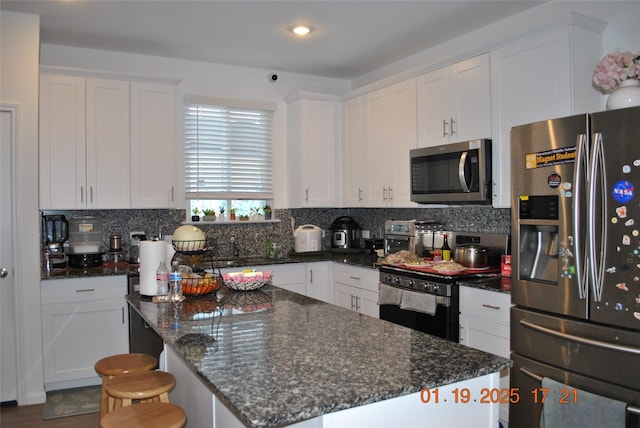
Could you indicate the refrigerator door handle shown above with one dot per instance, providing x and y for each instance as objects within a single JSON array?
[
  {"x": 596, "y": 178},
  {"x": 461, "y": 176},
  {"x": 582, "y": 340},
  {"x": 579, "y": 180}
]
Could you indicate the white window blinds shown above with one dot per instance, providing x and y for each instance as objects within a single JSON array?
[{"x": 228, "y": 150}]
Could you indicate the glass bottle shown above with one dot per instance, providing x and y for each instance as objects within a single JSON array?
[
  {"x": 446, "y": 250},
  {"x": 175, "y": 281},
  {"x": 162, "y": 278}
]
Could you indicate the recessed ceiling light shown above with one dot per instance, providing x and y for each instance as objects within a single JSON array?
[{"x": 301, "y": 30}]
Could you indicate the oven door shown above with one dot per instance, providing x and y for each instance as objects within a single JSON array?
[
  {"x": 444, "y": 323},
  {"x": 395, "y": 243}
]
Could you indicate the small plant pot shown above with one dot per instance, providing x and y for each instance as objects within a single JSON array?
[
  {"x": 232, "y": 217},
  {"x": 209, "y": 218},
  {"x": 267, "y": 215}
]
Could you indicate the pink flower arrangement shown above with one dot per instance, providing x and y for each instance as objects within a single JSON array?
[{"x": 614, "y": 69}]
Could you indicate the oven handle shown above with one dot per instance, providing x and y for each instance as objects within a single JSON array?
[
  {"x": 582, "y": 340},
  {"x": 538, "y": 378},
  {"x": 440, "y": 300}
]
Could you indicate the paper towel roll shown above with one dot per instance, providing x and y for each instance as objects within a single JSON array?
[{"x": 151, "y": 254}]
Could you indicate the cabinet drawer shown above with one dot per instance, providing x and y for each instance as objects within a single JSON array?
[
  {"x": 485, "y": 304},
  {"x": 83, "y": 289},
  {"x": 356, "y": 276}
]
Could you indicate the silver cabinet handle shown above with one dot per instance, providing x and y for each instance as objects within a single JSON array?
[
  {"x": 352, "y": 305},
  {"x": 497, "y": 308},
  {"x": 357, "y": 278},
  {"x": 173, "y": 199},
  {"x": 357, "y": 304},
  {"x": 82, "y": 194},
  {"x": 311, "y": 276},
  {"x": 390, "y": 193},
  {"x": 91, "y": 194},
  {"x": 3, "y": 273},
  {"x": 85, "y": 290},
  {"x": 359, "y": 194},
  {"x": 306, "y": 195},
  {"x": 444, "y": 128},
  {"x": 452, "y": 129}
]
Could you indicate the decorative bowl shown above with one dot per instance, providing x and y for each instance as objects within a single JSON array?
[{"x": 246, "y": 281}]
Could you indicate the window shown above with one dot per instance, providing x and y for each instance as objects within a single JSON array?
[{"x": 228, "y": 151}]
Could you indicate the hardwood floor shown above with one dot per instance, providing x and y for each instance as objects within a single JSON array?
[{"x": 31, "y": 417}]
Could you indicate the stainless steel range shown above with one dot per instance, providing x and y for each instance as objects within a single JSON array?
[{"x": 429, "y": 301}]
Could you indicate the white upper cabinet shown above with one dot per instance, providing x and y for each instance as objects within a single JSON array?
[
  {"x": 84, "y": 143},
  {"x": 106, "y": 143},
  {"x": 314, "y": 135},
  {"x": 354, "y": 152},
  {"x": 454, "y": 103},
  {"x": 153, "y": 145},
  {"x": 541, "y": 77},
  {"x": 392, "y": 133}
]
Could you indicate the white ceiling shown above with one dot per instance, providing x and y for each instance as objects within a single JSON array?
[{"x": 350, "y": 39}]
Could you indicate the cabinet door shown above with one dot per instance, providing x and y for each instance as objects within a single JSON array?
[
  {"x": 535, "y": 79},
  {"x": 368, "y": 303},
  {"x": 344, "y": 296},
  {"x": 380, "y": 144},
  {"x": 319, "y": 281},
  {"x": 471, "y": 99},
  {"x": 153, "y": 145},
  {"x": 72, "y": 344},
  {"x": 405, "y": 137},
  {"x": 434, "y": 107},
  {"x": 107, "y": 144},
  {"x": 355, "y": 153},
  {"x": 62, "y": 142}
]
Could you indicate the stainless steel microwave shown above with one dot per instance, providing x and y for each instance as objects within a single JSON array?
[{"x": 458, "y": 173}]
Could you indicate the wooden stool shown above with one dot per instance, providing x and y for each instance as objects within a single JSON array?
[
  {"x": 149, "y": 386},
  {"x": 120, "y": 364},
  {"x": 146, "y": 415}
]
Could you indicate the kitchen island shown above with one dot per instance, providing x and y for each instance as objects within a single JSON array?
[{"x": 275, "y": 358}]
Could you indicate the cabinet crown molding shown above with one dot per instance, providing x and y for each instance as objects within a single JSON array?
[
  {"x": 302, "y": 95},
  {"x": 101, "y": 74}
]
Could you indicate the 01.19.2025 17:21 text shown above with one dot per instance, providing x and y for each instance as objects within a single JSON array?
[{"x": 497, "y": 395}]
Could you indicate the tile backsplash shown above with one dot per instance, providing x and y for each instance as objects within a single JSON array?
[{"x": 251, "y": 237}]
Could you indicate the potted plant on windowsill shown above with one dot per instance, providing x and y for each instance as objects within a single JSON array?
[
  {"x": 209, "y": 214},
  {"x": 243, "y": 217},
  {"x": 232, "y": 214},
  {"x": 222, "y": 217},
  {"x": 255, "y": 214},
  {"x": 267, "y": 212},
  {"x": 196, "y": 214}
]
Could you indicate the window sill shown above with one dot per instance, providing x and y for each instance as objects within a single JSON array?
[{"x": 274, "y": 220}]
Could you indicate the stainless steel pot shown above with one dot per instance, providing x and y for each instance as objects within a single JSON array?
[{"x": 472, "y": 255}]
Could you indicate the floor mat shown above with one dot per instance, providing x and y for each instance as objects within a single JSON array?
[{"x": 71, "y": 402}]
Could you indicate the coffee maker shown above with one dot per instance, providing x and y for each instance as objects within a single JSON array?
[{"x": 55, "y": 230}]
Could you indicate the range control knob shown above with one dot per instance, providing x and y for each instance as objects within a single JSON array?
[{"x": 410, "y": 283}]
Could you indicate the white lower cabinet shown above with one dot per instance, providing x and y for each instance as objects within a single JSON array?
[
  {"x": 356, "y": 288},
  {"x": 83, "y": 320},
  {"x": 484, "y": 325}
]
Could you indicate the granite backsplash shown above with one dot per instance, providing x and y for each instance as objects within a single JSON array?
[{"x": 251, "y": 237}]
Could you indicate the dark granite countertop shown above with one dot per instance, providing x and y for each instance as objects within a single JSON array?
[
  {"x": 108, "y": 269},
  {"x": 498, "y": 283},
  {"x": 275, "y": 357}
]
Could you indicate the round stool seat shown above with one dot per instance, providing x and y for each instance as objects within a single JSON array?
[
  {"x": 125, "y": 363},
  {"x": 141, "y": 386},
  {"x": 151, "y": 415}
]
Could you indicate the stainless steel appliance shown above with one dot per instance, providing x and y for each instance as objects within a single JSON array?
[
  {"x": 440, "y": 292},
  {"x": 346, "y": 233},
  {"x": 399, "y": 235},
  {"x": 576, "y": 262},
  {"x": 458, "y": 173},
  {"x": 55, "y": 230}
]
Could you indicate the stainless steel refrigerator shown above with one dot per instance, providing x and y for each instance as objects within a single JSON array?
[{"x": 576, "y": 264}]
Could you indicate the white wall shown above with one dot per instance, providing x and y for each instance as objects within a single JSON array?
[
  {"x": 19, "y": 50},
  {"x": 206, "y": 79}
]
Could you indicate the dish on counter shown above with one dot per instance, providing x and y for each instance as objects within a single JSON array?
[{"x": 246, "y": 280}]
